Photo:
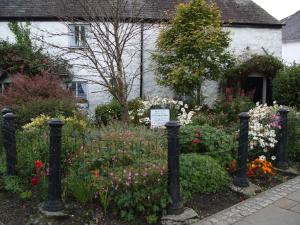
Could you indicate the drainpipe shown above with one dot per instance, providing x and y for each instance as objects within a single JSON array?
[{"x": 142, "y": 61}]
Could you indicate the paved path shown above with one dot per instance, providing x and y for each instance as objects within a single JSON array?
[{"x": 277, "y": 206}]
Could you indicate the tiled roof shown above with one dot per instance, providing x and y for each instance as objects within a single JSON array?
[
  {"x": 291, "y": 30},
  {"x": 233, "y": 11}
]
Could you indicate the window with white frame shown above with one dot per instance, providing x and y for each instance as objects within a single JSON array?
[
  {"x": 78, "y": 35},
  {"x": 79, "y": 89}
]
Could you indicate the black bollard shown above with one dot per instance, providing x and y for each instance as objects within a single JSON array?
[
  {"x": 282, "y": 140},
  {"x": 176, "y": 205},
  {"x": 9, "y": 142},
  {"x": 241, "y": 179},
  {"x": 54, "y": 203},
  {"x": 5, "y": 110}
]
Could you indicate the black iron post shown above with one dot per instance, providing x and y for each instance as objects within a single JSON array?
[
  {"x": 240, "y": 179},
  {"x": 176, "y": 205},
  {"x": 282, "y": 140},
  {"x": 5, "y": 110},
  {"x": 54, "y": 203},
  {"x": 9, "y": 142}
]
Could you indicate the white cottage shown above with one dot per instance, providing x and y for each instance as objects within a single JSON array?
[
  {"x": 251, "y": 29},
  {"x": 291, "y": 38}
]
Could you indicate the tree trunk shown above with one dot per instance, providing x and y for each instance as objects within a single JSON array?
[{"x": 124, "y": 111}]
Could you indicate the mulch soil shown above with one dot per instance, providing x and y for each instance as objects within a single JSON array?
[{"x": 15, "y": 211}]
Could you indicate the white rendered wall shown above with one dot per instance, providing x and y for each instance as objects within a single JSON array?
[
  {"x": 255, "y": 40},
  {"x": 244, "y": 40},
  {"x": 291, "y": 52}
]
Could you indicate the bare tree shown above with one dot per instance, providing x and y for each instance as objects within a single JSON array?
[{"x": 106, "y": 34}]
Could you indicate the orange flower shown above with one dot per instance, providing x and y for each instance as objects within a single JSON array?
[{"x": 96, "y": 173}]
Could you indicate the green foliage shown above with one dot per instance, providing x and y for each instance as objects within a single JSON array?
[
  {"x": 26, "y": 195},
  {"x": 106, "y": 113},
  {"x": 13, "y": 184},
  {"x": 286, "y": 86},
  {"x": 78, "y": 186},
  {"x": 209, "y": 140},
  {"x": 22, "y": 33},
  {"x": 293, "y": 135},
  {"x": 231, "y": 109},
  {"x": 192, "y": 47},
  {"x": 23, "y": 57},
  {"x": 51, "y": 107},
  {"x": 201, "y": 174}
]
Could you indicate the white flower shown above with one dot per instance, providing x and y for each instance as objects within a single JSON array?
[
  {"x": 273, "y": 157},
  {"x": 262, "y": 157}
]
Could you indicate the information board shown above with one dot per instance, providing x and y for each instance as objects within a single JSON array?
[{"x": 159, "y": 117}]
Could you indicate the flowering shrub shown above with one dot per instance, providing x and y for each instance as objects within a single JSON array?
[
  {"x": 263, "y": 124},
  {"x": 261, "y": 168},
  {"x": 31, "y": 96},
  {"x": 213, "y": 141},
  {"x": 42, "y": 120},
  {"x": 125, "y": 170},
  {"x": 179, "y": 111},
  {"x": 33, "y": 143}
]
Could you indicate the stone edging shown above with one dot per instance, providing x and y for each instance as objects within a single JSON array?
[{"x": 246, "y": 208}]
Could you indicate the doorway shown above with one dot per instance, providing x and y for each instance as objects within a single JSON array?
[{"x": 260, "y": 88}]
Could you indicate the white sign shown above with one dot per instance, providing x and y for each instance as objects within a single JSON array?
[{"x": 159, "y": 117}]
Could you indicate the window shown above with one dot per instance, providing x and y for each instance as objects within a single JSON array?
[
  {"x": 78, "y": 35},
  {"x": 79, "y": 89}
]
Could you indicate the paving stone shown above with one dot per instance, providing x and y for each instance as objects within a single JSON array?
[
  {"x": 273, "y": 215},
  {"x": 285, "y": 203},
  {"x": 294, "y": 196},
  {"x": 296, "y": 208},
  {"x": 277, "y": 206},
  {"x": 214, "y": 220}
]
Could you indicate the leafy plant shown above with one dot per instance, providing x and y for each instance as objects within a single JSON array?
[
  {"x": 78, "y": 186},
  {"x": 208, "y": 140},
  {"x": 191, "y": 48},
  {"x": 25, "y": 58},
  {"x": 201, "y": 174},
  {"x": 286, "y": 86},
  {"x": 293, "y": 135},
  {"x": 30, "y": 97},
  {"x": 107, "y": 113},
  {"x": 13, "y": 184}
]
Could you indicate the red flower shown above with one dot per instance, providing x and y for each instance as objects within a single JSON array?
[
  {"x": 38, "y": 164},
  {"x": 196, "y": 129},
  {"x": 196, "y": 141},
  {"x": 34, "y": 181}
]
